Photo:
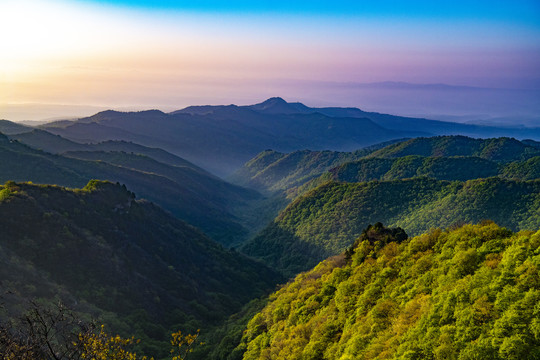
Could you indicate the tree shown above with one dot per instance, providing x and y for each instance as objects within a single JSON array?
[{"x": 57, "y": 333}]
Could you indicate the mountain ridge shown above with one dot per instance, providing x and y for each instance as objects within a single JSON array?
[
  {"x": 187, "y": 132},
  {"x": 271, "y": 171},
  {"x": 325, "y": 220},
  {"x": 194, "y": 195}
]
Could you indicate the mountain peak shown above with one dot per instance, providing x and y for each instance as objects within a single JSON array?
[
  {"x": 274, "y": 100},
  {"x": 270, "y": 103},
  {"x": 107, "y": 113},
  {"x": 276, "y": 105}
]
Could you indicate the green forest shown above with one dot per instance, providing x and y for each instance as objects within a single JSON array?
[
  {"x": 326, "y": 220},
  {"x": 441, "y": 157},
  {"x": 117, "y": 249},
  {"x": 123, "y": 261},
  {"x": 171, "y": 182},
  {"x": 472, "y": 292}
]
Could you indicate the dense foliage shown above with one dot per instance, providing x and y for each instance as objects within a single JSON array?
[
  {"x": 529, "y": 169},
  {"x": 497, "y": 149},
  {"x": 443, "y": 157},
  {"x": 326, "y": 220},
  {"x": 143, "y": 271},
  {"x": 460, "y": 168},
  {"x": 442, "y": 168},
  {"x": 468, "y": 293}
]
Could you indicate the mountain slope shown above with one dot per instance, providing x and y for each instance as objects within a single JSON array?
[
  {"x": 277, "y": 105},
  {"x": 468, "y": 293},
  {"x": 533, "y": 143},
  {"x": 271, "y": 171},
  {"x": 440, "y": 167},
  {"x": 274, "y": 171},
  {"x": 10, "y": 127},
  {"x": 126, "y": 258},
  {"x": 453, "y": 168},
  {"x": 55, "y": 144},
  {"x": 189, "y": 193},
  {"x": 324, "y": 221},
  {"x": 206, "y": 186},
  {"x": 529, "y": 169},
  {"x": 443, "y": 157}
]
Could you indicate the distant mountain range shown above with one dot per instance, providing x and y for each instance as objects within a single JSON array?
[{"x": 222, "y": 138}]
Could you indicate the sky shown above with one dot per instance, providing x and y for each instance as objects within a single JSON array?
[{"x": 61, "y": 57}]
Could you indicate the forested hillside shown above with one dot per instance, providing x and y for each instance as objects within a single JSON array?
[
  {"x": 103, "y": 252},
  {"x": 529, "y": 169},
  {"x": 438, "y": 167},
  {"x": 272, "y": 171},
  {"x": 467, "y": 293},
  {"x": 186, "y": 191},
  {"x": 441, "y": 157},
  {"x": 55, "y": 144},
  {"x": 497, "y": 149},
  {"x": 326, "y": 220}
]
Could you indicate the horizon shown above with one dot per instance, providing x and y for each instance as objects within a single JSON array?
[
  {"x": 35, "y": 114},
  {"x": 72, "y": 56}
]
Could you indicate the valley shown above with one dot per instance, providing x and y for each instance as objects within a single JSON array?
[{"x": 262, "y": 227}]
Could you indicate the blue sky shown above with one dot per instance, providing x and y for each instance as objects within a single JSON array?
[{"x": 521, "y": 11}]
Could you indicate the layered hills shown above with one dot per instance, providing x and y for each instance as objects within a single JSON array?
[
  {"x": 326, "y": 220},
  {"x": 222, "y": 138},
  {"x": 272, "y": 171},
  {"x": 178, "y": 186},
  {"x": 10, "y": 127},
  {"x": 105, "y": 253},
  {"x": 225, "y": 137},
  {"x": 467, "y": 293},
  {"x": 439, "y": 167},
  {"x": 55, "y": 144},
  {"x": 416, "y": 184},
  {"x": 497, "y": 149},
  {"x": 442, "y": 157}
]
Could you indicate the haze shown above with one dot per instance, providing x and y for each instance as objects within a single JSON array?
[{"x": 71, "y": 58}]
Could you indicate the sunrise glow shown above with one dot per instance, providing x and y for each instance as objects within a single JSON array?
[{"x": 168, "y": 54}]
